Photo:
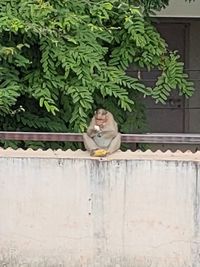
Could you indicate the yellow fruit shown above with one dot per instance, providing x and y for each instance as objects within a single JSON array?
[{"x": 100, "y": 153}]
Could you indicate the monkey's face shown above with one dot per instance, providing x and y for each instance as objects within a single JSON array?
[{"x": 100, "y": 117}]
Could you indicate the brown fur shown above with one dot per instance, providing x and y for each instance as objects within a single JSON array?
[
  {"x": 109, "y": 127},
  {"x": 102, "y": 134}
]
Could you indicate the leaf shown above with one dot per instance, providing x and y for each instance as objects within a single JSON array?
[
  {"x": 41, "y": 101},
  {"x": 107, "y": 6}
]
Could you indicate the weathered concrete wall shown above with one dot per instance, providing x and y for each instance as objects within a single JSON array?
[{"x": 125, "y": 211}]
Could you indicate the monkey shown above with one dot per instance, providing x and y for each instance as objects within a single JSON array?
[{"x": 102, "y": 137}]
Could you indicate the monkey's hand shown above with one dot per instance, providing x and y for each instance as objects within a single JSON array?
[{"x": 97, "y": 128}]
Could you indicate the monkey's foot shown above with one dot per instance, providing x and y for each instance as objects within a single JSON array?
[{"x": 99, "y": 153}]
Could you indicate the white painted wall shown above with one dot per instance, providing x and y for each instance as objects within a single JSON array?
[{"x": 72, "y": 212}]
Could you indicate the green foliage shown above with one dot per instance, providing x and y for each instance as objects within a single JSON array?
[
  {"x": 59, "y": 59},
  {"x": 154, "y": 5}
]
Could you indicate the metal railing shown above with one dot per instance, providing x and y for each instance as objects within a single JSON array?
[{"x": 149, "y": 138}]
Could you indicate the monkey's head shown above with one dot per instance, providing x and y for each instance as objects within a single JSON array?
[{"x": 100, "y": 116}]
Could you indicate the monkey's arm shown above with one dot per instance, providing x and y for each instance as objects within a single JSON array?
[
  {"x": 110, "y": 130},
  {"x": 91, "y": 131}
]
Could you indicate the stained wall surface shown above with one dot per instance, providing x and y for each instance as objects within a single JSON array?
[{"x": 129, "y": 210}]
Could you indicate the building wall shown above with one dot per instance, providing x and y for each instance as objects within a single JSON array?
[
  {"x": 181, "y": 8},
  {"x": 129, "y": 210},
  {"x": 194, "y": 66},
  {"x": 178, "y": 115}
]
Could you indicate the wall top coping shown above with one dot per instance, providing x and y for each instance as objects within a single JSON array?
[{"x": 119, "y": 155}]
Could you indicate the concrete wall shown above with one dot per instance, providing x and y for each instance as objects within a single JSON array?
[{"x": 128, "y": 210}]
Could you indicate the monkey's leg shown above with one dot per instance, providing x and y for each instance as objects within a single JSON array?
[
  {"x": 115, "y": 144},
  {"x": 89, "y": 143}
]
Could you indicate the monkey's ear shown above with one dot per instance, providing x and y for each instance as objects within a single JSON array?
[{"x": 96, "y": 110}]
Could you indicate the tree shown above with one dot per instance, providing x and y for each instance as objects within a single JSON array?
[{"x": 62, "y": 58}]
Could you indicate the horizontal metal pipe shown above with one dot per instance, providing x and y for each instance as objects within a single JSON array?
[{"x": 159, "y": 138}]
